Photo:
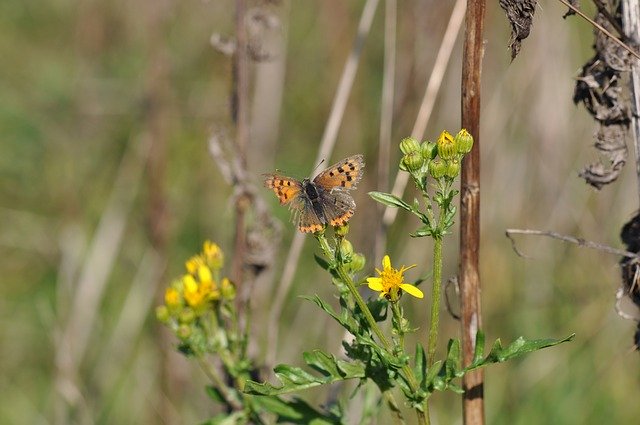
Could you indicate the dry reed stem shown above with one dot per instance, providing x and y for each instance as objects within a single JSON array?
[
  {"x": 156, "y": 132},
  {"x": 131, "y": 319},
  {"x": 326, "y": 147},
  {"x": 429, "y": 98},
  {"x": 240, "y": 114},
  {"x": 386, "y": 117},
  {"x": 76, "y": 329}
]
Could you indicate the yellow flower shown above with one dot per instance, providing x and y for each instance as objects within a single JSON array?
[
  {"x": 172, "y": 298},
  {"x": 446, "y": 146},
  {"x": 390, "y": 283},
  {"x": 214, "y": 255},
  {"x": 200, "y": 291},
  {"x": 192, "y": 293},
  {"x": 193, "y": 263}
]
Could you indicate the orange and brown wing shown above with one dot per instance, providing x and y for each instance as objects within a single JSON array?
[
  {"x": 344, "y": 175},
  {"x": 308, "y": 221},
  {"x": 338, "y": 207},
  {"x": 285, "y": 188}
]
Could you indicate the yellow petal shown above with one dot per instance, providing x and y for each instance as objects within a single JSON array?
[
  {"x": 386, "y": 262},
  {"x": 171, "y": 297},
  {"x": 375, "y": 283},
  {"x": 190, "y": 284},
  {"x": 193, "y": 263},
  {"x": 412, "y": 290},
  {"x": 204, "y": 274}
]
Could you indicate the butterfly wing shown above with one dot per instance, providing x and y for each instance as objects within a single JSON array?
[
  {"x": 344, "y": 175},
  {"x": 307, "y": 219},
  {"x": 338, "y": 207},
  {"x": 291, "y": 192},
  {"x": 286, "y": 188}
]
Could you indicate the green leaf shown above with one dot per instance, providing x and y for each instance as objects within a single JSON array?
[
  {"x": 296, "y": 411},
  {"x": 479, "y": 348},
  {"x": 345, "y": 319},
  {"x": 455, "y": 388},
  {"x": 322, "y": 262},
  {"x": 378, "y": 308},
  {"x": 425, "y": 230},
  {"x": 234, "y": 418},
  {"x": 329, "y": 366},
  {"x": 390, "y": 200},
  {"x": 214, "y": 394},
  {"x": 420, "y": 368},
  {"x": 517, "y": 348},
  {"x": 432, "y": 374},
  {"x": 296, "y": 379},
  {"x": 454, "y": 358}
]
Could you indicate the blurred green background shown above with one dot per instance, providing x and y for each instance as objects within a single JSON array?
[{"x": 107, "y": 187}]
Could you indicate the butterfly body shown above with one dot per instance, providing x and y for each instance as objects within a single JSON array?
[{"x": 325, "y": 199}]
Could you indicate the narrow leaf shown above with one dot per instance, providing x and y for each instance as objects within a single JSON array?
[
  {"x": 454, "y": 357},
  {"x": 296, "y": 411},
  {"x": 294, "y": 379},
  {"x": 322, "y": 262},
  {"x": 214, "y": 393},
  {"x": 420, "y": 367},
  {"x": 479, "y": 348},
  {"x": 227, "y": 419},
  {"x": 422, "y": 232},
  {"x": 390, "y": 200},
  {"x": 517, "y": 348}
]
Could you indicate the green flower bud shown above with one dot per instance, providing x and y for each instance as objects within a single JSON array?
[
  {"x": 464, "y": 141},
  {"x": 346, "y": 249},
  {"x": 341, "y": 231},
  {"x": 227, "y": 289},
  {"x": 187, "y": 315},
  {"x": 183, "y": 332},
  {"x": 408, "y": 145},
  {"x": 162, "y": 314},
  {"x": 446, "y": 146},
  {"x": 357, "y": 262},
  {"x": 429, "y": 150},
  {"x": 437, "y": 168},
  {"x": 413, "y": 161},
  {"x": 453, "y": 168}
]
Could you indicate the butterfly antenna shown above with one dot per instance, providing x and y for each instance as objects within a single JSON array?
[{"x": 316, "y": 167}]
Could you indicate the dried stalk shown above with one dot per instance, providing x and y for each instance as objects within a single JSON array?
[
  {"x": 240, "y": 104},
  {"x": 469, "y": 278},
  {"x": 386, "y": 116},
  {"x": 571, "y": 239}
]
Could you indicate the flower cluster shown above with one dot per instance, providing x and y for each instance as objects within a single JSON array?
[
  {"x": 440, "y": 159},
  {"x": 196, "y": 293}
]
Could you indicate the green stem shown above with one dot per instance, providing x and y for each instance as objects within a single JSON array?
[
  {"x": 397, "y": 316},
  {"x": 435, "y": 301},
  {"x": 344, "y": 276},
  {"x": 229, "y": 395},
  {"x": 324, "y": 246},
  {"x": 407, "y": 372}
]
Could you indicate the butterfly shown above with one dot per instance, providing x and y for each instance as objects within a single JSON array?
[{"x": 323, "y": 200}]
